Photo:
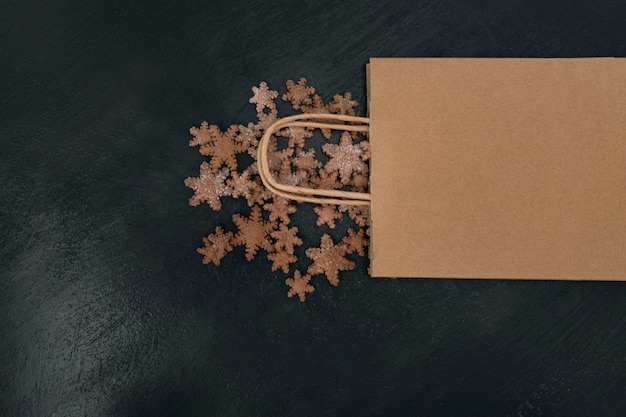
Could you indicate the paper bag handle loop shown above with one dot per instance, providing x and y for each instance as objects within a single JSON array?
[{"x": 311, "y": 195}]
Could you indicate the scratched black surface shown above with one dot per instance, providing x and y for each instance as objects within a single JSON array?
[{"x": 106, "y": 309}]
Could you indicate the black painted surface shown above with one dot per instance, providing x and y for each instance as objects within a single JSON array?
[{"x": 106, "y": 309}]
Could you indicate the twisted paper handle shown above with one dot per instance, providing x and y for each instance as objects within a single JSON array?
[{"x": 311, "y": 195}]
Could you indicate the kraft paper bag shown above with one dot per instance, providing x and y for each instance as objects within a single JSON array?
[{"x": 498, "y": 168}]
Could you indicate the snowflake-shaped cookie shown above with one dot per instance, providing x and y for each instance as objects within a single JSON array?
[
  {"x": 355, "y": 241},
  {"x": 286, "y": 239},
  {"x": 299, "y": 285},
  {"x": 202, "y": 134},
  {"x": 329, "y": 259},
  {"x": 263, "y": 97},
  {"x": 299, "y": 94},
  {"x": 223, "y": 148},
  {"x": 209, "y": 187},
  {"x": 297, "y": 136},
  {"x": 216, "y": 246},
  {"x": 242, "y": 185},
  {"x": 343, "y": 104},
  {"x": 281, "y": 260},
  {"x": 345, "y": 158},
  {"x": 280, "y": 208},
  {"x": 253, "y": 232},
  {"x": 327, "y": 214}
]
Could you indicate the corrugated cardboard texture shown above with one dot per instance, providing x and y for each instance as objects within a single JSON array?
[{"x": 498, "y": 168}]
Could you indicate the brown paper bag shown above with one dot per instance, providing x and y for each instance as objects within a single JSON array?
[
  {"x": 498, "y": 168},
  {"x": 490, "y": 168}
]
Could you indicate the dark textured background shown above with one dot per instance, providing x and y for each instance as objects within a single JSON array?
[{"x": 105, "y": 307}]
